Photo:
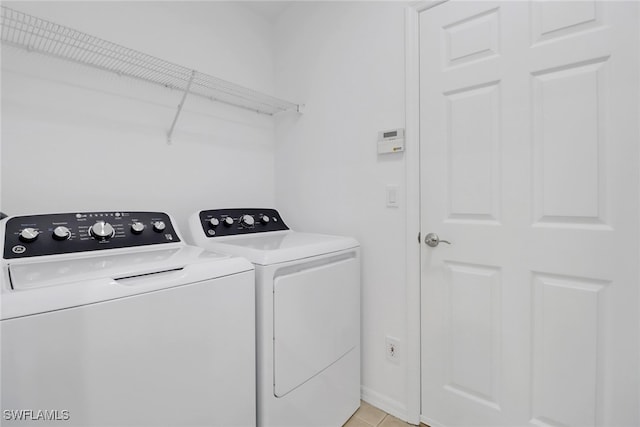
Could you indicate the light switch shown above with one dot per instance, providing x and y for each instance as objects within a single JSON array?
[{"x": 392, "y": 196}]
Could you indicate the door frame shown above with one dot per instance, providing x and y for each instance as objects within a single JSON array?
[
  {"x": 639, "y": 164},
  {"x": 412, "y": 177},
  {"x": 413, "y": 226}
]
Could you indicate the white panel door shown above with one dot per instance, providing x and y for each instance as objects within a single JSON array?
[{"x": 529, "y": 167}]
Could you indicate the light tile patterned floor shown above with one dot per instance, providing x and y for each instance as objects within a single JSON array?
[{"x": 370, "y": 416}]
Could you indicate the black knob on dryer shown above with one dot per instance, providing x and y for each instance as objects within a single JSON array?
[
  {"x": 137, "y": 227},
  {"x": 159, "y": 226},
  {"x": 228, "y": 221},
  {"x": 214, "y": 222},
  {"x": 247, "y": 220},
  {"x": 264, "y": 219}
]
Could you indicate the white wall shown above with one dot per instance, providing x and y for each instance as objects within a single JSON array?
[
  {"x": 345, "y": 61},
  {"x": 76, "y": 138}
]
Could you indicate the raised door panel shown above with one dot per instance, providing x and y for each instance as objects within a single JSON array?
[
  {"x": 555, "y": 19},
  {"x": 568, "y": 142},
  {"x": 472, "y": 38},
  {"x": 567, "y": 341},
  {"x": 473, "y": 144},
  {"x": 473, "y": 333}
]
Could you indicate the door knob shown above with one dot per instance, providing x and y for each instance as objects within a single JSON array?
[{"x": 433, "y": 240}]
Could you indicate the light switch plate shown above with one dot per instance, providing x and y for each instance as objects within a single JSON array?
[{"x": 392, "y": 196}]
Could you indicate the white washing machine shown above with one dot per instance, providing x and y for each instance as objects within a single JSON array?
[
  {"x": 110, "y": 319},
  {"x": 308, "y": 314}
]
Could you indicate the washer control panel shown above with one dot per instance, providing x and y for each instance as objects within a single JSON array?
[
  {"x": 53, "y": 234},
  {"x": 232, "y": 222}
]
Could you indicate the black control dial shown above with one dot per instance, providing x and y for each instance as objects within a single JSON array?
[
  {"x": 228, "y": 221},
  {"x": 137, "y": 227},
  {"x": 214, "y": 222},
  {"x": 102, "y": 230},
  {"x": 159, "y": 226},
  {"x": 28, "y": 235},
  {"x": 61, "y": 233},
  {"x": 247, "y": 220},
  {"x": 264, "y": 219}
]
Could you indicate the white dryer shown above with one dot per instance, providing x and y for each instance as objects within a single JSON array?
[
  {"x": 110, "y": 319},
  {"x": 308, "y": 314}
]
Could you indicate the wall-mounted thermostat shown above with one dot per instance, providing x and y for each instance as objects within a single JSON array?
[{"x": 391, "y": 141}]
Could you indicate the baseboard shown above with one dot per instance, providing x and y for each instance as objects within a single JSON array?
[
  {"x": 429, "y": 422},
  {"x": 390, "y": 406}
]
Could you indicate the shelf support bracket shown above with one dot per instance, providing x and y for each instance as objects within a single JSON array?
[{"x": 184, "y": 97}]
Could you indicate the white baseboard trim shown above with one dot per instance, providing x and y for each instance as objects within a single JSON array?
[
  {"x": 429, "y": 422},
  {"x": 390, "y": 406}
]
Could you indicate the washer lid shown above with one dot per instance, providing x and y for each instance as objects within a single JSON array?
[
  {"x": 131, "y": 263},
  {"x": 280, "y": 246},
  {"x": 41, "y": 286}
]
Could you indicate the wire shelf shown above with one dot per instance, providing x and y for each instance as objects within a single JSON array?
[{"x": 38, "y": 35}]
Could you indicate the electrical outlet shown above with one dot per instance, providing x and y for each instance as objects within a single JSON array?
[{"x": 393, "y": 349}]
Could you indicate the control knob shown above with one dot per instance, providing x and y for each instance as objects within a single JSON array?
[
  {"x": 61, "y": 233},
  {"x": 228, "y": 221},
  {"x": 102, "y": 230},
  {"x": 264, "y": 219},
  {"x": 28, "y": 235},
  {"x": 214, "y": 222},
  {"x": 159, "y": 226},
  {"x": 137, "y": 227},
  {"x": 247, "y": 220}
]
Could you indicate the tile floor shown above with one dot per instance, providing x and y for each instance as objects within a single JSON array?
[{"x": 370, "y": 416}]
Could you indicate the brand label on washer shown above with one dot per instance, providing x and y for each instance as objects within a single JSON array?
[{"x": 18, "y": 249}]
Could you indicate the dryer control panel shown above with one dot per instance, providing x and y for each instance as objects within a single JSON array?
[
  {"x": 232, "y": 222},
  {"x": 53, "y": 234}
]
